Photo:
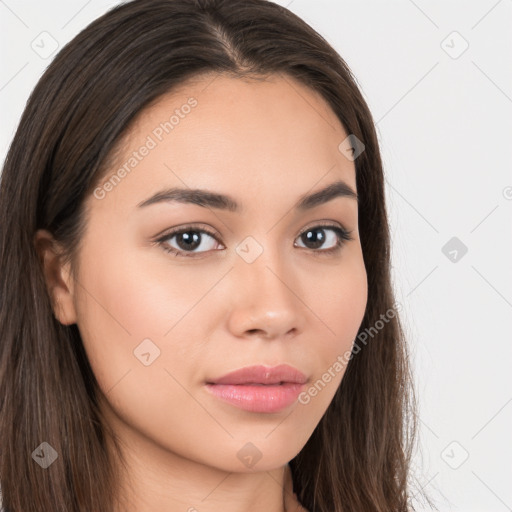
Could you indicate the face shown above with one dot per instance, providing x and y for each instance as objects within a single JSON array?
[{"x": 272, "y": 281}]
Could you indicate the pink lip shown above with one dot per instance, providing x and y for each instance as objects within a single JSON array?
[{"x": 259, "y": 388}]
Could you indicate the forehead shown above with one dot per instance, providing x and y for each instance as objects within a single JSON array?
[{"x": 244, "y": 136}]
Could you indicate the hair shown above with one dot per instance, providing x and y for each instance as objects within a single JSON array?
[{"x": 359, "y": 455}]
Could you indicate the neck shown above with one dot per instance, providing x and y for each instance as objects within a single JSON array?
[{"x": 155, "y": 479}]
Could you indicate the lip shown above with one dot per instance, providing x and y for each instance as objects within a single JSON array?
[
  {"x": 260, "y": 374},
  {"x": 259, "y": 388}
]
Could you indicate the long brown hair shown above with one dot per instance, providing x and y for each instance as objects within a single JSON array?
[{"x": 358, "y": 457}]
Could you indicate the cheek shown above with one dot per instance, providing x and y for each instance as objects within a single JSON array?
[
  {"x": 339, "y": 302},
  {"x": 129, "y": 307},
  {"x": 125, "y": 310}
]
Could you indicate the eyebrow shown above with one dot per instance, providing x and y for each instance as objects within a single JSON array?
[{"x": 219, "y": 201}]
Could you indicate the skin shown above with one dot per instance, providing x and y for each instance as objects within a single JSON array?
[{"x": 266, "y": 143}]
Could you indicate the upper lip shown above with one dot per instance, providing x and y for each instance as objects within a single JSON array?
[{"x": 262, "y": 375}]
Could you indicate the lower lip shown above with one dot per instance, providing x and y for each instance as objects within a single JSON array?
[{"x": 257, "y": 398}]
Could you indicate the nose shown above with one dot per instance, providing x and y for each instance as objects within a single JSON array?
[{"x": 265, "y": 300}]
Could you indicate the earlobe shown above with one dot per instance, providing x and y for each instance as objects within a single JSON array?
[{"x": 58, "y": 278}]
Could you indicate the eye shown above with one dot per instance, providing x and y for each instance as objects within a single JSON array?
[
  {"x": 189, "y": 239},
  {"x": 192, "y": 240},
  {"x": 316, "y": 236}
]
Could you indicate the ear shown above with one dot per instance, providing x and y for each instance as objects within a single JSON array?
[{"x": 58, "y": 277}]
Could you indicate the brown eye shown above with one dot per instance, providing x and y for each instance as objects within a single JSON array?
[
  {"x": 188, "y": 240},
  {"x": 192, "y": 241},
  {"x": 316, "y": 237}
]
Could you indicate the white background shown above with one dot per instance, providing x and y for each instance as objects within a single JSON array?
[{"x": 444, "y": 119}]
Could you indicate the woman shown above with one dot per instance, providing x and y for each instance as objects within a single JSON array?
[{"x": 197, "y": 309}]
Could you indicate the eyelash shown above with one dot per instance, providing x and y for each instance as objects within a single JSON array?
[{"x": 343, "y": 236}]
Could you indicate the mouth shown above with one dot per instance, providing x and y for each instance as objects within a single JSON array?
[
  {"x": 261, "y": 398},
  {"x": 260, "y": 374},
  {"x": 259, "y": 389}
]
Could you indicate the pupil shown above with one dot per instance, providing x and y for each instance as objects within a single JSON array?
[
  {"x": 317, "y": 241},
  {"x": 186, "y": 238}
]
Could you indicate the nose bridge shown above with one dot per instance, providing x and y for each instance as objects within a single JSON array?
[
  {"x": 261, "y": 264},
  {"x": 265, "y": 299}
]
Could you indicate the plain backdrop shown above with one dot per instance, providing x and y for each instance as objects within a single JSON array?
[{"x": 438, "y": 80}]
